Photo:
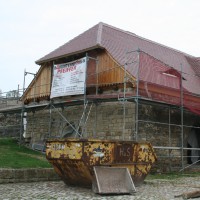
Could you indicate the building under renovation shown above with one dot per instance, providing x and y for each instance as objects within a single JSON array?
[{"x": 112, "y": 84}]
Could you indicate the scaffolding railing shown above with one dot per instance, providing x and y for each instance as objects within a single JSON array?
[{"x": 136, "y": 78}]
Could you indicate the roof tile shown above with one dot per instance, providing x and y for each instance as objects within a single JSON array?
[{"x": 118, "y": 42}]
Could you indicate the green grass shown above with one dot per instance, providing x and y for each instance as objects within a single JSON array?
[{"x": 14, "y": 156}]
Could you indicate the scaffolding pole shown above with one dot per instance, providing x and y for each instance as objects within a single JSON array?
[
  {"x": 124, "y": 100},
  {"x": 170, "y": 142},
  {"x": 96, "y": 119},
  {"x": 21, "y": 127},
  {"x": 83, "y": 133},
  {"x": 85, "y": 114},
  {"x": 50, "y": 118},
  {"x": 137, "y": 99},
  {"x": 181, "y": 99},
  {"x": 22, "y": 110}
]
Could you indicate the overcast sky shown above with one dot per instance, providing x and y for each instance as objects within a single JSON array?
[{"x": 31, "y": 29}]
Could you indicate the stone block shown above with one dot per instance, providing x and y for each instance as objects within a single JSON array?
[
  {"x": 7, "y": 174},
  {"x": 30, "y": 173},
  {"x": 19, "y": 174}
]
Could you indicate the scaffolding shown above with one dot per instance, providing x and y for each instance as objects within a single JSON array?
[{"x": 132, "y": 91}]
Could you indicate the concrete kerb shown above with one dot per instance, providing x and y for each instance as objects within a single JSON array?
[{"x": 27, "y": 175}]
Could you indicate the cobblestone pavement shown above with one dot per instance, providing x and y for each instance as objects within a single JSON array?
[{"x": 150, "y": 190}]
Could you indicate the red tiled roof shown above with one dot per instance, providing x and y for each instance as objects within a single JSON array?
[
  {"x": 118, "y": 42},
  {"x": 195, "y": 63},
  {"x": 84, "y": 41}
]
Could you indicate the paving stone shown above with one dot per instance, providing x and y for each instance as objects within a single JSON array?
[{"x": 57, "y": 190}]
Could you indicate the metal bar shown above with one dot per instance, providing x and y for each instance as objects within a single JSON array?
[
  {"x": 191, "y": 126},
  {"x": 95, "y": 124},
  {"x": 181, "y": 101},
  {"x": 29, "y": 73},
  {"x": 161, "y": 123},
  {"x": 85, "y": 97},
  {"x": 22, "y": 111},
  {"x": 174, "y": 148},
  {"x": 124, "y": 106},
  {"x": 34, "y": 87},
  {"x": 85, "y": 106},
  {"x": 21, "y": 127},
  {"x": 97, "y": 76},
  {"x": 24, "y": 81},
  {"x": 189, "y": 166},
  {"x": 88, "y": 113},
  {"x": 124, "y": 119},
  {"x": 50, "y": 119},
  {"x": 174, "y": 156},
  {"x": 18, "y": 93},
  {"x": 137, "y": 98},
  {"x": 65, "y": 119},
  {"x": 170, "y": 135},
  {"x": 52, "y": 74}
]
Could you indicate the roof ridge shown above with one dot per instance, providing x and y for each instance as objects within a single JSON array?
[
  {"x": 99, "y": 33},
  {"x": 165, "y": 46},
  {"x": 148, "y": 40},
  {"x": 118, "y": 29}
]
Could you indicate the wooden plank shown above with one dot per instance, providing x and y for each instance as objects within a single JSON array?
[
  {"x": 40, "y": 87},
  {"x": 105, "y": 71},
  {"x": 108, "y": 70}
]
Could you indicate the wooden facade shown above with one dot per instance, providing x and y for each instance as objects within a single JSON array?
[
  {"x": 109, "y": 72},
  {"x": 39, "y": 88},
  {"x": 102, "y": 70}
]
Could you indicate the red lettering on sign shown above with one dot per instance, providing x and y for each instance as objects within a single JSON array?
[{"x": 68, "y": 69}]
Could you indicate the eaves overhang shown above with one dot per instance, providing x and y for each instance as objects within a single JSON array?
[{"x": 40, "y": 61}]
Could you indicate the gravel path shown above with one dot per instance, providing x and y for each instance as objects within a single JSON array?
[{"x": 150, "y": 190}]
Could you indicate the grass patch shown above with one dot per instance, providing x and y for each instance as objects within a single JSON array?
[{"x": 14, "y": 156}]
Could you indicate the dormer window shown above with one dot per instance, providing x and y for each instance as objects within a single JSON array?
[{"x": 171, "y": 75}]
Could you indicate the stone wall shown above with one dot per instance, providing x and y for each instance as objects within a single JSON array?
[
  {"x": 10, "y": 125},
  {"x": 27, "y": 175},
  {"x": 9, "y": 102},
  {"x": 165, "y": 131},
  {"x": 106, "y": 121},
  {"x": 10, "y": 122},
  {"x": 103, "y": 120}
]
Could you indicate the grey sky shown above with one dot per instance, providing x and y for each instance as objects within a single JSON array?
[{"x": 32, "y": 29}]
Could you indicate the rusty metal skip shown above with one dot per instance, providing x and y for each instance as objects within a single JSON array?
[{"x": 74, "y": 159}]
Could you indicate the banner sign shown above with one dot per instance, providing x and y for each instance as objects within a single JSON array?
[{"x": 69, "y": 78}]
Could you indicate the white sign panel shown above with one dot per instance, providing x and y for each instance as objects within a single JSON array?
[{"x": 69, "y": 78}]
